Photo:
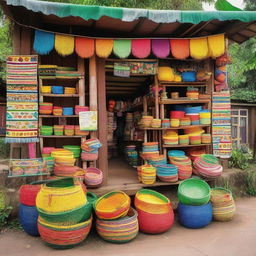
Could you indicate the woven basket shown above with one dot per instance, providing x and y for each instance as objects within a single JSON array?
[
  {"x": 46, "y": 89},
  {"x": 112, "y": 205},
  {"x": 50, "y": 199},
  {"x": 28, "y": 194},
  {"x": 121, "y": 230},
  {"x": 93, "y": 177},
  {"x": 63, "y": 236},
  {"x": 89, "y": 156},
  {"x": 152, "y": 202}
]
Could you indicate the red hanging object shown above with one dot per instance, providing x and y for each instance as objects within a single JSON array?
[
  {"x": 180, "y": 48},
  {"x": 141, "y": 48},
  {"x": 84, "y": 47}
]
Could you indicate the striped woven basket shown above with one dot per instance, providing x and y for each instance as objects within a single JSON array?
[
  {"x": 112, "y": 205},
  {"x": 63, "y": 236},
  {"x": 121, "y": 230}
]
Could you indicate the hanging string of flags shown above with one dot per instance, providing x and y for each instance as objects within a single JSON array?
[{"x": 197, "y": 48}]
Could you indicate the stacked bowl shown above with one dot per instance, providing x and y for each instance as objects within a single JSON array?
[
  {"x": 194, "y": 208},
  {"x": 57, "y": 111},
  {"x": 68, "y": 111},
  {"x": 149, "y": 150},
  {"x": 155, "y": 213},
  {"x": 205, "y": 117},
  {"x": 46, "y": 130},
  {"x": 90, "y": 149},
  {"x": 57, "y": 89},
  {"x": 207, "y": 166},
  {"x": 171, "y": 138},
  {"x": 93, "y": 177},
  {"x": 69, "y": 90},
  {"x": 45, "y": 108},
  {"x": 63, "y": 225},
  {"x": 166, "y": 123},
  {"x": 69, "y": 130},
  {"x": 206, "y": 138},
  {"x": 79, "y": 109},
  {"x": 182, "y": 162},
  {"x": 167, "y": 173},
  {"x": 145, "y": 121},
  {"x": 147, "y": 174},
  {"x": 156, "y": 123},
  {"x": 58, "y": 130},
  {"x": 28, "y": 213},
  {"x": 223, "y": 204},
  {"x": 116, "y": 221},
  {"x": 157, "y": 160},
  {"x": 183, "y": 139}
]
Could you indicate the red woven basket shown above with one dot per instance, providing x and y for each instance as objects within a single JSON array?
[{"x": 28, "y": 194}]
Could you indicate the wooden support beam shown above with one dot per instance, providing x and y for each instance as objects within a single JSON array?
[
  {"x": 102, "y": 119},
  {"x": 25, "y": 44},
  {"x": 16, "y": 39},
  {"x": 81, "y": 83}
]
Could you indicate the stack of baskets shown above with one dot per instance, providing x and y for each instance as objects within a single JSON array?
[
  {"x": 63, "y": 225},
  {"x": 145, "y": 121},
  {"x": 57, "y": 89},
  {"x": 57, "y": 111},
  {"x": 46, "y": 89},
  {"x": 78, "y": 132},
  {"x": 70, "y": 90},
  {"x": 58, "y": 130},
  {"x": 223, "y": 204},
  {"x": 167, "y": 173},
  {"x": 75, "y": 149},
  {"x": 207, "y": 166},
  {"x": 171, "y": 138},
  {"x": 116, "y": 221},
  {"x": 155, "y": 213},
  {"x": 45, "y": 108},
  {"x": 182, "y": 162},
  {"x": 205, "y": 117},
  {"x": 193, "y": 153},
  {"x": 63, "y": 157},
  {"x": 183, "y": 139},
  {"x": 90, "y": 149},
  {"x": 68, "y": 111},
  {"x": 149, "y": 150},
  {"x": 132, "y": 155},
  {"x": 194, "y": 208},
  {"x": 79, "y": 109},
  {"x": 147, "y": 174},
  {"x": 28, "y": 213},
  {"x": 185, "y": 121},
  {"x": 46, "y": 130},
  {"x": 166, "y": 123},
  {"x": 195, "y": 139},
  {"x": 156, "y": 123},
  {"x": 157, "y": 160},
  {"x": 192, "y": 93},
  {"x": 69, "y": 130}
]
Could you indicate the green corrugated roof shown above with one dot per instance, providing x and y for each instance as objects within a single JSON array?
[{"x": 87, "y": 12}]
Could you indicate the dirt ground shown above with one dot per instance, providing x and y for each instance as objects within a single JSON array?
[{"x": 236, "y": 238}]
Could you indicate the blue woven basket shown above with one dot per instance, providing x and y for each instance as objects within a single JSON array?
[
  {"x": 189, "y": 76},
  {"x": 68, "y": 111},
  {"x": 28, "y": 216},
  {"x": 57, "y": 89}
]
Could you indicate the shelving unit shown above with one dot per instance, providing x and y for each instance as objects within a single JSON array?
[
  {"x": 77, "y": 99},
  {"x": 205, "y": 88}
]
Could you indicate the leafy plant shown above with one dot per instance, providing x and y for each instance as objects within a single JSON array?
[
  {"x": 4, "y": 216},
  {"x": 241, "y": 158},
  {"x": 251, "y": 182},
  {"x": 4, "y": 150}
]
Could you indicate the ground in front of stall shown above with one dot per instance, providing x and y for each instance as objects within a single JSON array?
[{"x": 233, "y": 238}]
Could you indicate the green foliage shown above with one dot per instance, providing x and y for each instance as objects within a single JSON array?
[
  {"x": 224, "y": 5},
  {"x": 241, "y": 158},
  {"x": 4, "y": 216},
  {"x": 148, "y": 4},
  {"x": 251, "y": 182},
  {"x": 14, "y": 224},
  {"x": 4, "y": 149}
]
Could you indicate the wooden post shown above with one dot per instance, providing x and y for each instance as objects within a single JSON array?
[
  {"x": 81, "y": 86},
  {"x": 102, "y": 118}
]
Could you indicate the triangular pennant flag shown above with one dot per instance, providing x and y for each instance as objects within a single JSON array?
[
  {"x": 84, "y": 47},
  {"x": 64, "y": 45},
  {"x": 141, "y": 48},
  {"x": 43, "y": 42},
  {"x": 161, "y": 47},
  {"x": 180, "y": 48},
  {"x": 122, "y": 48},
  {"x": 104, "y": 47}
]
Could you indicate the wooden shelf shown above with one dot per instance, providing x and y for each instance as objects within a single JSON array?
[
  {"x": 58, "y": 78},
  {"x": 52, "y": 116},
  {"x": 59, "y": 95},
  {"x": 61, "y": 136},
  {"x": 166, "y": 83},
  {"x": 183, "y": 101},
  {"x": 185, "y": 146},
  {"x": 174, "y": 128}
]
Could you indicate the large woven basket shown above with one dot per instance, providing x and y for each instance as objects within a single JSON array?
[
  {"x": 63, "y": 236},
  {"x": 112, "y": 205},
  {"x": 121, "y": 230},
  {"x": 52, "y": 199}
]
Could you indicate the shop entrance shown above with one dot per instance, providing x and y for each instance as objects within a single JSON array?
[{"x": 128, "y": 88}]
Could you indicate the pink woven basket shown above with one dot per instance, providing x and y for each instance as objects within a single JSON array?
[
  {"x": 89, "y": 156},
  {"x": 93, "y": 177}
]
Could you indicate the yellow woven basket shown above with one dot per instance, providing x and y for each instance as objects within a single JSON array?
[
  {"x": 56, "y": 200},
  {"x": 46, "y": 89}
]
